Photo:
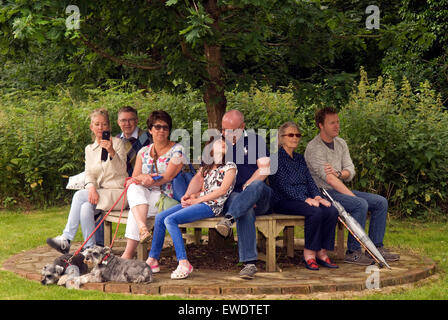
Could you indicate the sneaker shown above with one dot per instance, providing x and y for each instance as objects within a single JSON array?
[
  {"x": 356, "y": 257},
  {"x": 248, "y": 271},
  {"x": 387, "y": 255},
  {"x": 60, "y": 244},
  {"x": 224, "y": 227}
]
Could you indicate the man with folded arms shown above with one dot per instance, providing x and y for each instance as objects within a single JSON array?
[{"x": 251, "y": 196}]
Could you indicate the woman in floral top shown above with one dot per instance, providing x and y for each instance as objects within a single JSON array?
[
  {"x": 218, "y": 182},
  {"x": 164, "y": 159}
]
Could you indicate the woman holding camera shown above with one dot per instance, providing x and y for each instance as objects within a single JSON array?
[{"x": 104, "y": 182}]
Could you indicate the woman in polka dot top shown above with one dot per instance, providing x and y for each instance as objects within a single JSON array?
[{"x": 296, "y": 193}]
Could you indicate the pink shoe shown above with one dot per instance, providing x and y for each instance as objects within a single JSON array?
[{"x": 155, "y": 268}]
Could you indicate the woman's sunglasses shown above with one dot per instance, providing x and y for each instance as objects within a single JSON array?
[
  {"x": 159, "y": 127},
  {"x": 291, "y": 135}
]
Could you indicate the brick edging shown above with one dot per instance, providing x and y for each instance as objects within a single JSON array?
[{"x": 414, "y": 275}]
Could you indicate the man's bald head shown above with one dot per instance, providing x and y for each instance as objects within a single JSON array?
[
  {"x": 233, "y": 124},
  {"x": 233, "y": 119}
]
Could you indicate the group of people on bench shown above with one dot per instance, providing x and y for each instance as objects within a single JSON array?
[{"x": 235, "y": 189}]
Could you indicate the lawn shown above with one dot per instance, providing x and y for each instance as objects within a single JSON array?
[{"x": 21, "y": 231}]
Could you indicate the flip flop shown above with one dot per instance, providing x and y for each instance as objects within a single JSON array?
[
  {"x": 145, "y": 235},
  {"x": 155, "y": 268}
]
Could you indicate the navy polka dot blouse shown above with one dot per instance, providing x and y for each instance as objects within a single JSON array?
[{"x": 293, "y": 180}]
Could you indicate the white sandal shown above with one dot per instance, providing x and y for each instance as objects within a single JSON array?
[{"x": 181, "y": 272}]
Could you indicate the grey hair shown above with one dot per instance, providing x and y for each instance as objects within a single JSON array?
[
  {"x": 100, "y": 112},
  {"x": 283, "y": 127}
]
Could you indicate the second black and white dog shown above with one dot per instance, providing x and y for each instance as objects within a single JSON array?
[
  {"x": 107, "y": 267},
  {"x": 63, "y": 269}
]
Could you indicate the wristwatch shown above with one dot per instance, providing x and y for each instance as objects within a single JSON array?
[{"x": 339, "y": 174}]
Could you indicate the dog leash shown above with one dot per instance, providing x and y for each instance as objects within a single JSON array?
[
  {"x": 104, "y": 261},
  {"x": 104, "y": 218}
]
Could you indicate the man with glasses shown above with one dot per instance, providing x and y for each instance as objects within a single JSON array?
[
  {"x": 251, "y": 196},
  {"x": 135, "y": 137},
  {"x": 328, "y": 159}
]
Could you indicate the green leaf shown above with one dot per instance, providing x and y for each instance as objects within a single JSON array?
[{"x": 171, "y": 2}]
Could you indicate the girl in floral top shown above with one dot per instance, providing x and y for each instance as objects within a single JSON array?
[{"x": 218, "y": 182}]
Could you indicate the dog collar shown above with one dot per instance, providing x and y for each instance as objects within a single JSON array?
[
  {"x": 105, "y": 259},
  {"x": 67, "y": 263}
]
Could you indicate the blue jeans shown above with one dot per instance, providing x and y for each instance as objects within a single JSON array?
[
  {"x": 170, "y": 219},
  {"x": 358, "y": 207},
  {"x": 81, "y": 212},
  {"x": 99, "y": 234},
  {"x": 240, "y": 206}
]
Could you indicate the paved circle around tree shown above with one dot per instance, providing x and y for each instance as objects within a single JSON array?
[{"x": 294, "y": 280}]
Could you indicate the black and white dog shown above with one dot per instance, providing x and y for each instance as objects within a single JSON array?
[
  {"x": 107, "y": 267},
  {"x": 63, "y": 269}
]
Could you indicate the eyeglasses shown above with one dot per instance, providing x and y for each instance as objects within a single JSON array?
[
  {"x": 291, "y": 135},
  {"x": 127, "y": 120},
  {"x": 159, "y": 127}
]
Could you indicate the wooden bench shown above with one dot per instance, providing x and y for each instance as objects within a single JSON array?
[{"x": 268, "y": 226}]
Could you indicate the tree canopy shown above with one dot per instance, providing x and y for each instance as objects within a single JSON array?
[{"x": 219, "y": 45}]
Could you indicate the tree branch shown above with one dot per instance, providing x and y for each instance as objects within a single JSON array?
[
  {"x": 229, "y": 7},
  {"x": 119, "y": 61}
]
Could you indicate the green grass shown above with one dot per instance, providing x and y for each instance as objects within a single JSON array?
[
  {"x": 424, "y": 238},
  {"x": 21, "y": 231}
]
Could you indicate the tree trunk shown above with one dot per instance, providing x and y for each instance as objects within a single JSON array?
[{"x": 214, "y": 94}]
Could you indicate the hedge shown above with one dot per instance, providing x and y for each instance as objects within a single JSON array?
[{"x": 396, "y": 136}]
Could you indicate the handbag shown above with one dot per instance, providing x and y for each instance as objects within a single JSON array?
[
  {"x": 181, "y": 181},
  {"x": 76, "y": 182},
  {"x": 165, "y": 203}
]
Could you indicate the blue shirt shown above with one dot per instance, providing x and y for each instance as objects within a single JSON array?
[
  {"x": 245, "y": 153},
  {"x": 293, "y": 180}
]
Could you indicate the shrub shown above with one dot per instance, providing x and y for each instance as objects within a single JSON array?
[
  {"x": 398, "y": 142},
  {"x": 40, "y": 142},
  {"x": 397, "y": 137}
]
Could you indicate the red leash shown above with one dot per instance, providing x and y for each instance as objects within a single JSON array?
[{"x": 104, "y": 218}]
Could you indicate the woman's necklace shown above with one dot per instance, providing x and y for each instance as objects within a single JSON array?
[{"x": 159, "y": 149}]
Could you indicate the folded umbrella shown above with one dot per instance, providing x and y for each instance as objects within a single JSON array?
[{"x": 357, "y": 231}]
